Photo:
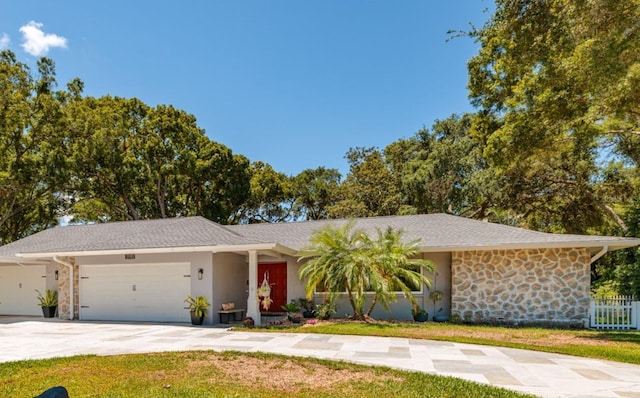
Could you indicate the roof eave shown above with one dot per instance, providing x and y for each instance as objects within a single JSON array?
[
  {"x": 12, "y": 260},
  {"x": 594, "y": 244},
  {"x": 162, "y": 250}
]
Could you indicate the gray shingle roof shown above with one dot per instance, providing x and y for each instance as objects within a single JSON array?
[
  {"x": 435, "y": 231},
  {"x": 143, "y": 234}
]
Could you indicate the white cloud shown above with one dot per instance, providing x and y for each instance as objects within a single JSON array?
[
  {"x": 38, "y": 43},
  {"x": 4, "y": 41}
]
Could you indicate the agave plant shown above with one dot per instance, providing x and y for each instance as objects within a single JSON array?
[
  {"x": 50, "y": 298},
  {"x": 198, "y": 305}
]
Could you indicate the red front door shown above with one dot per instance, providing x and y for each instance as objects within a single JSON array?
[{"x": 275, "y": 275}]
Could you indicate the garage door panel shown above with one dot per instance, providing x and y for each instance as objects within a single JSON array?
[
  {"x": 18, "y": 285},
  {"x": 150, "y": 292}
]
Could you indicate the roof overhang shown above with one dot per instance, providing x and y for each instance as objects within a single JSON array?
[
  {"x": 594, "y": 245},
  {"x": 21, "y": 261},
  {"x": 162, "y": 250}
]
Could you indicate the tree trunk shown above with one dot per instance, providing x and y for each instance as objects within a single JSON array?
[
  {"x": 608, "y": 210},
  {"x": 133, "y": 213},
  {"x": 373, "y": 304},
  {"x": 161, "y": 194},
  {"x": 356, "y": 314}
]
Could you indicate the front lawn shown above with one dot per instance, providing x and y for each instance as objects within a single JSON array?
[
  {"x": 612, "y": 345},
  {"x": 229, "y": 374}
]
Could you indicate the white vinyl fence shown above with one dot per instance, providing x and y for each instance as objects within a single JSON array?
[{"x": 620, "y": 313}]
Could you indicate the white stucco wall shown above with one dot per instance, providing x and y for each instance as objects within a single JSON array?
[
  {"x": 230, "y": 277},
  {"x": 52, "y": 283},
  {"x": 440, "y": 280}
]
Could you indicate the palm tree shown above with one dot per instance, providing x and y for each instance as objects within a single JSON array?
[
  {"x": 345, "y": 259},
  {"x": 336, "y": 265},
  {"x": 397, "y": 266}
]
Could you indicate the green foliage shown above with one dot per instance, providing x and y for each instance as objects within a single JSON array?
[
  {"x": 316, "y": 190},
  {"x": 50, "y": 298},
  {"x": 435, "y": 296},
  {"x": 33, "y": 165},
  {"x": 551, "y": 80},
  {"x": 199, "y": 305},
  {"x": 291, "y": 307},
  {"x": 325, "y": 311},
  {"x": 443, "y": 170},
  {"x": 305, "y": 304},
  {"x": 136, "y": 162},
  {"x": 417, "y": 310},
  {"x": 370, "y": 188},
  {"x": 345, "y": 259},
  {"x": 271, "y": 196}
]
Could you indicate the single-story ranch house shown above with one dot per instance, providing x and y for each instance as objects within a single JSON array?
[{"x": 143, "y": 270}]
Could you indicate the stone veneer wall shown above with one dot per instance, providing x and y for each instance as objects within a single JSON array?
[
  {"x": 533, "y": 286},
  {"x": 64, "y": 290}
]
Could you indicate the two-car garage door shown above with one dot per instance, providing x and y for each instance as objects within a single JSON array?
[
  {"x": 141, "y": 292},
  {"x": 18, "y": 284}
]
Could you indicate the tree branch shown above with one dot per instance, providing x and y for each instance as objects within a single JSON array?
[{"x": 618, "y": 132}]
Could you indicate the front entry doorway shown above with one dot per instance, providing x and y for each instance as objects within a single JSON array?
[{"x": 273, "y": 275}]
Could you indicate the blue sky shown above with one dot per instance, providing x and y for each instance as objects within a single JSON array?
[{"x": 291, "y": 83}]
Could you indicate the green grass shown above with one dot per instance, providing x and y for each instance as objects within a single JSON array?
[
  {"x": 611, "y": 345},
  {"x": 229, "y": 374}
]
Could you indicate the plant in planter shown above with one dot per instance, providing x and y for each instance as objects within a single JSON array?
[
  {"x": 293, "y": 311},
  {"x": 325, "y": 311},
  {"x": 436, "y": 296},
  {"x": 198, "y": 306},
  {"x": 248, "y": 322},
  {"x": 48, "y": 302},
  {"x": 307, "y": 307},
  {"x": 419, "y": 314}
]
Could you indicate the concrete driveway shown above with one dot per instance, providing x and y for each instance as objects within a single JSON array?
[{"x": 548, "y": 375}]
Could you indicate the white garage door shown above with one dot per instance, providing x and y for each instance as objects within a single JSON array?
[
  {"x": 149, "y": 292},
  {"x": 18, "y": 286}
]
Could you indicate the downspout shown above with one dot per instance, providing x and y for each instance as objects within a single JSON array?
[
  {"x": 71, "y": 297},
  {"x": 599, "y": 254}
]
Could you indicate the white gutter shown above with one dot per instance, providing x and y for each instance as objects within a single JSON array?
[
  {"x": 599, "y": 254},
  {"x": 610, "y": 244},
  {"x": 71, "y": 298}
]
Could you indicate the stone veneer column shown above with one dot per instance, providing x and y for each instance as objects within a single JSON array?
[
  {"x": 64, "y": 290},
  {"x": 521, "y": 286}
]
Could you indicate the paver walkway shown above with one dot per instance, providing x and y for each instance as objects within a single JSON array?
[{"x": 548, "y": 375}]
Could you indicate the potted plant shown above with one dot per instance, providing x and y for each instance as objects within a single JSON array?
[
  {"x": 48, "y": 302},
  {"x": 419, "y": 314},
  {"x": 293, "y": 311},
  {"x": 248, "y": 322},
  {"x": 324, "y": 311},
  {"x": 436, "y": 296},
  {"x": 307, "y": 307},
  {"x": 198, "y": 306}
]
